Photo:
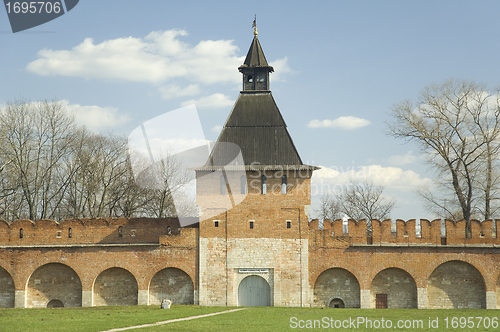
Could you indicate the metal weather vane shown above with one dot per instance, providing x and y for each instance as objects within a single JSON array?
[{"x": 254, "y": 26}]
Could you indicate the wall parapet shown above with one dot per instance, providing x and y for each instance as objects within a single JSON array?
[
  {"x": 413, "y": 232},
  {"x": 88, "y": 231},
  {"x": 187, "y": 238}
]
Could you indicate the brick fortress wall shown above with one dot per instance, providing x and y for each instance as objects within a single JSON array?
[
  {"x": 97, "y": 262},
  {"x": 413, "y": 264}
]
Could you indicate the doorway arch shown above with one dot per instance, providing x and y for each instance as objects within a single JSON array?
[
  {"x": 254, "y": 291},
  {"x": 55, "y": 304},
  {"x": 336, "y": 303}
]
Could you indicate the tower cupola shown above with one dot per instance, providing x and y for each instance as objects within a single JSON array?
[{"x": 255, "y": 69}]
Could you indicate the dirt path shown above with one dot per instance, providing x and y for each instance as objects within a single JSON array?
[{"x": 171, "y": 321}]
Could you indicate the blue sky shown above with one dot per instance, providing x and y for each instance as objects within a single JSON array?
[{"x": 338, "y": 64}]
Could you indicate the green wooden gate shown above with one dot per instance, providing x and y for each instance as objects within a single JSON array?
[{"x": 254, "y": 291}]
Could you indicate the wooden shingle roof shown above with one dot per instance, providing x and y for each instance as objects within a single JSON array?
[
  {"x": 257, "y": 127},
  {"x": 255, "y": 56},
  {"x": 255, "y": 124}
]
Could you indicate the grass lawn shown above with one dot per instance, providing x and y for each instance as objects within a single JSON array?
[
  {"x": 251, "y": 319},
  {"x": 92, "y": 318}
]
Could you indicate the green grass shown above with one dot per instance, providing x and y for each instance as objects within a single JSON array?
[
  {"x": 251, "y": 319},
  {"x": 93, "y": 318}
]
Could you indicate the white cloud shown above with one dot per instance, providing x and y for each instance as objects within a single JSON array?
[
  {"x": 174, "y": 91},
  {"x": 216, "y": 100},
  {"x": 281, "y": 68},
  {"x": 96, "y": 117},
  {"x": 329, "y": 179},
  {"x": 408, "y": 158},
  {"x": 156, "y": 58},
  {"x": 216, "y": 129},
  {"x": 343, "y": 122}
]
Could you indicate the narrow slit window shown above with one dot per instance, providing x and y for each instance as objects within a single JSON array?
[
  {"x": 222, "y": 185},
  {"x": 263, "y": 185},
  {"x": 288, "y": 224},
  {"x": 21, "y": 233},
  {"x": 216, "y": 223},
  {"x": 169, "y": 230},
  {"x": 251, "y": 224},
  {"x": 120, "y": 231},
  {"x": 70, "y": 233},
  {"x": 345, "y": 226},
  {"x": 243, "y": 184},
  {"x": 283, "y": 185}
]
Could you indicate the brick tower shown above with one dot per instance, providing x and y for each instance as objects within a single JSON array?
[{"x": 253, "y": 247}]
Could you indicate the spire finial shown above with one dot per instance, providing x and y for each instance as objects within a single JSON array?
[{"x": 254, "y": 26}]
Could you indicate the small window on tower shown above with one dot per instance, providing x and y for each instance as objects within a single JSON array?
[
  {"x": 243, "y": 184},
  {"x": 120, "y": 231},
  {"x": 251, "y": 224},
  {"x": 216, "y": 223},
  {"x": 70, "y": 232},
  {"x": 288, "y": 224},
  {"x": 263, "y": 185},
  {"x": 260, "y": 78},
  {"x": 250, "y": 79},
  {"x": 222, "y": 185},
  {"x": 283, "y": 184}
]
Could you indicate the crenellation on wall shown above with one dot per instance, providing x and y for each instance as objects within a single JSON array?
[
  {"x": 455, "y": 231},
  {"x": 357, "y": 230},
  {"x": 86, "y": 231},
  {"x": 431, "y": 230},
  {"x": 483, "y": 232},
  {"x": 337, "y": 227},
  {"x": 410, "y": 231},
  {"x": 399, "y": 232},
  {"x": 381, "y": 231},
  {"x": 314, "y": 224}
]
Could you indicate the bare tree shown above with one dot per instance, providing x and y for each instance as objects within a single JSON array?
[
  {"x": 164, "y": 179},
  {"x": 329, "y": 208},
  {"x": 360, "y": 200},
  {"x": 456, "y": 123},
  {"x": 51, "y": 168},
  {"x": 34, "y": 144},
  {"x": 100, "y": 164},
  {"x": 130, "y": 199},
  {"x": 489, "y": 127},
  {"x": 357, "y": 200}
]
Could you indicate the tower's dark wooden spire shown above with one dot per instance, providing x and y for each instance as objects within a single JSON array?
[
  {"x": 255, "y": 123},
  {"x": 255, "y": 68},
  {"x": 255, "y": 56}
]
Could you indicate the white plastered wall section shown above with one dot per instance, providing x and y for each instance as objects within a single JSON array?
[{"x": 286, "y": 261}]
